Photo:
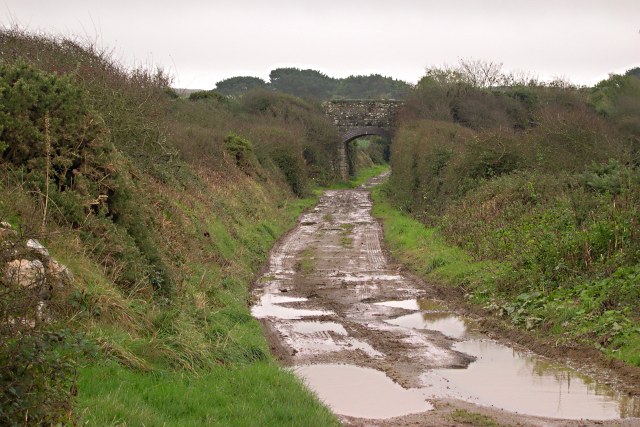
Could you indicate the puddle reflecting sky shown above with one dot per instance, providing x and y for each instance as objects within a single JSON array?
[
  {"x": 447, "y": 323},
  {"x": 500, "y": 377},
  {"x": 362, "y": 392},
  {"x": 407, "y": 304},
  {"x": 510, "y": 380},
  {"x": 310, "y": 327},
  {"x": 269, "y": 306},
  {"x": 424, "y": 304}
]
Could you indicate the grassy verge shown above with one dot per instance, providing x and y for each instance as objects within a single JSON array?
[
  {"x": 258, "y": 394},
  {"x": 568, "y": 314},
  {"x": 425, "y": 251},
  {"x": 203, "y": 361}
]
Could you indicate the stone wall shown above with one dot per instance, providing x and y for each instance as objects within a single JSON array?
[{"x": 348, "y": 114}]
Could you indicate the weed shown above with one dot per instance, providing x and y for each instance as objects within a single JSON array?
[
  {"x": 347, "y": 228},
  {"x": 346, "y": 242},
  {"x": 474, "y": 419},
  {"x": 306, "y": 263}
]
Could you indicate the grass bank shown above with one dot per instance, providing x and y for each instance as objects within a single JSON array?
[
  {"x": 164, "y": 210},
  {"x": 425, "y": 251},
  {"x": 538, "y": 181},
  {"x": 257, "y": 394},
  {"x": 203, "y": 359},
  {"x": 565, "y": 314}
]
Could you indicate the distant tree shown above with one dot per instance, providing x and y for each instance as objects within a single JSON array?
[
  {"x": 303, "y": 83},
  {"x": 481, "y": 73},
  {"x": 239, "y": 85},
  {"x": 478, "y": 73},
  {"x": 633, "y": 72},
  {"x": 373, "y": 86},
  {"x": 208, "y": 94}
]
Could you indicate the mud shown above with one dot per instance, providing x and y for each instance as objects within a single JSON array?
[{"x": 351, "y": 322}]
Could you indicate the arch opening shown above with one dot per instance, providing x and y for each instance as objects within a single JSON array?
[
  {"x": 364, "y": 131},
  {"x": 373, "y": 142}
]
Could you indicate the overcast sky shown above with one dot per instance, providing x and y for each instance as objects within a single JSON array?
[{"x": 201, "y": 42}]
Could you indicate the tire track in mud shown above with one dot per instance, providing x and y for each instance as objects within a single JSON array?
[{"x": 333, "y": 311}]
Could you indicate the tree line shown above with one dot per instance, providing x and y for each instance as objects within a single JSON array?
[{"x": 313, "y": 84}]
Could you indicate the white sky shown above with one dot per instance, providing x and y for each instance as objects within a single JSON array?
[{"x": 201, "y": 42}]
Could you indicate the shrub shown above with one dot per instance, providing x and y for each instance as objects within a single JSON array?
[
  {"x": 241, "y": 151},
  {"x": 37, "y": 376},
  {"x": 49, "y": 131},
  {"x": 208, "y": 94}
]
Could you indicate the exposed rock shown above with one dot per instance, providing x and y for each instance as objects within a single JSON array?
[
  {"x": 24, "y": 272},
  {"x": 7, "y": 234},
  {"x": 58, "y": 274},
  {"x": 31, "y": 267},
  {"x": 37, "y": 247}
]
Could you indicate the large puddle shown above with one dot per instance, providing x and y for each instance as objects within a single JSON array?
[
  {"x": 270, "y": 305},
  {"x": 446, "y": 323},
  {"x": 362, "y": 392},
  {"x": 511, "y": 380},
  {"x": 500, "y": 377},
  {"x": 415, "y": 342},
  {"x": 517, "y": 382}
]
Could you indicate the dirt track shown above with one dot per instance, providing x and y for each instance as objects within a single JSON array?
[{"x": 320, "y": 302}]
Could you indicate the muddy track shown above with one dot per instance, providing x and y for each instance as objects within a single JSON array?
[{"x": 330, "y": 296}]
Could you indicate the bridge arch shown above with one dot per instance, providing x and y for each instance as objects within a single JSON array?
[
  {"x": 356, "y": 117},
  {"x": 354, "y": 133}
]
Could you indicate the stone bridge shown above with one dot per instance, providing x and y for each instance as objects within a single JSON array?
[{"x": 356, "y": 118}]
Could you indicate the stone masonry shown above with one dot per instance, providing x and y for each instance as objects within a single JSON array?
[{"x": 356, "y": 118}]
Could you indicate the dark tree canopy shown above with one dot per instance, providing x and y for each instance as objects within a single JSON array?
[
  {"x": 633, "y": 72},
  {"x": 303, "y": 83},
  {"x": 373, "y": 86},
  {"x": 239, "y": 85}
]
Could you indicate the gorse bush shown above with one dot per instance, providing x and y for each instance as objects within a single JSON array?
[
  {"x": 241, "y": 150},
  {"x": 50, "y": 132},
  {"x": 208, "y": 94}
]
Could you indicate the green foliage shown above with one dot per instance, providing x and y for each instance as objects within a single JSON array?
[
  {"x": 293, "y": 168},
  {"x": 373, "y": 86},
  {"x": 379, "y": 150},
  {"x": 618, "y": 98},
  {"x": 236, "y": 86},
  {"x": 609, "y": 178},
  {"x": 295, "y": 136},
  {"x": 241, "y": 151},
  {"x": 542, "y": 178},
  {"x": 208, "y": 94},
  {"x": 302, "y": 83},
  {"x": 314, "y": 85},
  {"x": 46, "y": 114},
  {"x": 37, "y": 376},
  {"x": 633, "y": 72}
]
